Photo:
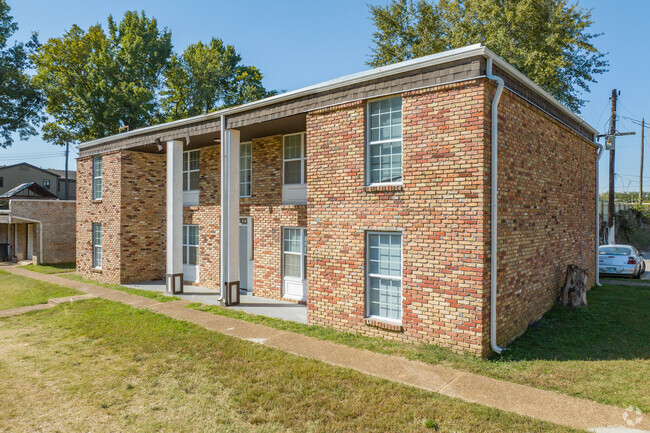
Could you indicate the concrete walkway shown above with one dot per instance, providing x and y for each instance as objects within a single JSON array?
[
  {"x": 524, "y": 400},
  {"x": 248, "y": 303}
]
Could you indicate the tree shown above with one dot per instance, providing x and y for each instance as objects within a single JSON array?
[
  {"x": 207, "y": 77},
  {"x": 96, "y": 82},
  {"x": 547, "y": 40},
  {"x": 20, "y": 101}
]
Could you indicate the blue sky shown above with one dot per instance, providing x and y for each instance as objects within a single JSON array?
[{"x": 298, "y": 43}]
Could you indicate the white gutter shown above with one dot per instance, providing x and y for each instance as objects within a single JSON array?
[
  {"x": 360, "y": 77},
  {"x": 600, "y": 152},
  {"x": 494, "y": 126},
  {"x": 225, "y": 166}
]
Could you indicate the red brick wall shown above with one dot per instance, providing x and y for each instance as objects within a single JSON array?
[
  {"x": 106, "y": 211},
  {"x": 441, "y": 213},
  {"x": 269, "y": 215},
  {"x": 547, "y": 196},
  {"x": 143, "y": 216}
]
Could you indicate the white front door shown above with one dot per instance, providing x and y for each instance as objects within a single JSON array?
[
  {"x": 30, "y": 241},
  {"x": 191, "y": 253},
  {"x": 246, "y": 263},
  {"x": 294, "y": 263}
]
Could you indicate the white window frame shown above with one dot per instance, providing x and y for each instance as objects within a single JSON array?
[
  {"x": 387, "y": 277},
  {"x": 246, "y": 171},
  {"x": 97, "y": 248},
  {"x": 302, "y": 253},
  {"x": 369, "y": 143},
  {"x": 295, "y": 193},
  {"x": 98, "y": 184},
  {"x": 190, "y": 196},
  {"x": 187, "y": 245}
]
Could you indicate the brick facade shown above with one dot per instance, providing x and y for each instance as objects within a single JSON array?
[{"x": 442, "y": 209}]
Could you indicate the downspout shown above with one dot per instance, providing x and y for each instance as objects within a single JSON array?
[
  {"x": 600, "y": 152},
  {"x": 224, "y": 202},
  {"x": 493, "y": 206}
]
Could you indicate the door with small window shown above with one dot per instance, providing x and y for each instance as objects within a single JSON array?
[
  {"x": 191, "y": 253},
  {"x": 294, "y": 263}
]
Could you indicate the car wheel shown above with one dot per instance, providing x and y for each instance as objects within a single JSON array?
[{"x": 638, "y": 276}]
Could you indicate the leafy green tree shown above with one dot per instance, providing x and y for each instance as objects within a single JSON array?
[
  {"x": 20, "y": 101},
  {"x": 547, "y": 40},
  {"x": 207, "y": 77},
  {"x": 95, "y": 82}
]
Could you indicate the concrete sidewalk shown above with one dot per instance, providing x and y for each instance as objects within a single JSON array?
[{"x": 521, "y": 399}]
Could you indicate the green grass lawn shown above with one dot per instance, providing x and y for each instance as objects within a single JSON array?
[
  {"x": 145, "y": 293},
  {"x": 54, "y": 268},
  {"x": 98, "y": 365},
  {"x": 17, "y": 291},
  {"x": 599, "y": 353}
]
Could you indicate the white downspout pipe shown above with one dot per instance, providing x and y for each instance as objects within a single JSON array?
[
  {"x": 225, "y": 176},
  {"x": 494, "y": 126},
  {"x": 600, "y": 152}
]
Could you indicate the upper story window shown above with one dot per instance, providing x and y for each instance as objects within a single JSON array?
[
  {"x": 245, "y": 169},
  {"x": 97, "y": 178},
  {"x": 191, "y": 170},
  {"x": 191, "y": 178},
  {"x": 46, "y": 183},
  {"x": 384, "y": 152},
  {"x": 2, "y": 182},
  {"x": 294, "y": 169}
]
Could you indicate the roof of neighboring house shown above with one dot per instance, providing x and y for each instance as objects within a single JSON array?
[
  {"x": 51, "y": 172},
  {"x": 72, "y": 175},
  {"x": 24, "y": 190},
  {"x": 518, "y": 80}
]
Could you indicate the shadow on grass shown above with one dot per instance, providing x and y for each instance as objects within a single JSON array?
[{"x": 613, "y": 327}]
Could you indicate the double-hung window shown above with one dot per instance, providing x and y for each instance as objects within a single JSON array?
[
  {"x": 294, "y": 170},
  {"x": 384, "y": 275},
  {"x": 97, "y": 178},
  {"x": 97, "y": 245},
  {"x": 46, "y": 183},
  {"x": 190, "y": 245},
  {"x": 295, "y": 253},
  {"x": 191, "y": 178},
  {"x": 384, "y": 151},
  {"x": 245, "y": 169}
]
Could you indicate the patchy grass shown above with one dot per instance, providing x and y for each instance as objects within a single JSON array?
[
  {"x": 17, "y": 291},
  {"x": 599, "y": 353},
  {"x": 102, "y": 366},
  {"x": 54, "y": 268},
  {"x": 161, "y": 297}
]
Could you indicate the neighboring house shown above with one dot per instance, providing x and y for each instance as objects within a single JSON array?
[
  {"x": 33, "y": 223},
  {"x": 53, "y": 180},
  {"x": 368, "y": 197}
]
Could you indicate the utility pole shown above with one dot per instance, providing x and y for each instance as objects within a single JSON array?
[
  {"x": 641, "y": 170},
  {"x": 67, "y": 149},
  {"x": 612, "y": 156}
]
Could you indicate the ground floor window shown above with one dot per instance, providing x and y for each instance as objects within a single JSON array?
[
  {"x": 190, "y": 245},
  {"x": 97, "y": 245},
  {"x": 384, "y": 275},
  {"x": 295, "y": 253}
]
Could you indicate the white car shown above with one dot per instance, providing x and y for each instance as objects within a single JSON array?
[{"x": 623, "y": 260}]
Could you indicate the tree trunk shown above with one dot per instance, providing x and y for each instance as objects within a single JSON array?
[{"x": 574, "y": 292}]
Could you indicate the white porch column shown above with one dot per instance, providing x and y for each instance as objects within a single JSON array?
[
  {"x": 230, "y": 215},
  {"x": 174, "y": 270}
]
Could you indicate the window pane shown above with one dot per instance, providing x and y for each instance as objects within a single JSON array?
[
  {"x": 194, "y": 180},
  {"x": 194, "y": 160},
  {"x": 193, "y": 235},
  {"x": 292, "y": 172},
  {"x": 185, "y": 182},
  {"x": 184, "y": 255},
  {"x": 292, "y": 265},
  {"x": 193, "y": 255},
  {"x": 292, "y": 240},
  {"x": 293, "y": 146},
  {"x": 384, "y": 298}
]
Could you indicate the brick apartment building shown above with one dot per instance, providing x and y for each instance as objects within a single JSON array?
[{"x": 369, "y": 197}]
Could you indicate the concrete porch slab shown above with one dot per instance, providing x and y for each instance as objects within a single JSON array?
[{"x": 248, "y": 303}]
